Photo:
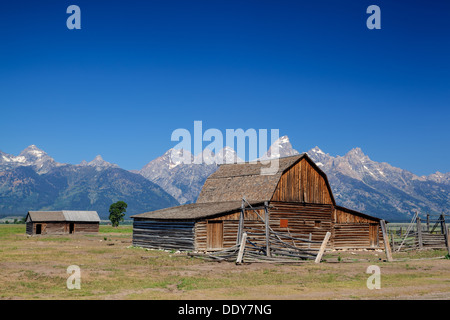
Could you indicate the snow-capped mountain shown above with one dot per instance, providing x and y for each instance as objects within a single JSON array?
[
  {"x": 98, "y": 163},
  {"x": 182, "y": 174},
  {"x": 30, "y": 156},
  {"x": 381, "y": 189},
  {"x": 376, "y": 188},
  {"x": 282, "y": 147},
  {"x": 34, "y": 181}
]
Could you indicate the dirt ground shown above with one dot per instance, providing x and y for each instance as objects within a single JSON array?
[{"x": 36, "y": 268}]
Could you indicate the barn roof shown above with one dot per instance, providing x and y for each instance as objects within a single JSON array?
[
  {"x": 193, "y": 211},
  {"x": 224, "y": 190},
  {"x": 232, "y": 182},
  {"x": 64, "y": 215}
]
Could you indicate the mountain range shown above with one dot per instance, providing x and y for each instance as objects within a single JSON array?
[{"x": 35, "y": 181}]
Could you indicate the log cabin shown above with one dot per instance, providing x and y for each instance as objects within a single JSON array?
[
  {"x": 296, "y": 201},
  {"x": 61, "y": 222}
]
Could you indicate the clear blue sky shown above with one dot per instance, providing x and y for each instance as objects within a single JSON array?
[{"x": 137, "y": 70}]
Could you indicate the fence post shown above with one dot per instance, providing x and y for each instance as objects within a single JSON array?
[
  {"x": 445, "y": 232},
  {"x": 266, "y": 218},
  {"x": 322, "y": 247},
  {"x": 241, "y": 248},
  {"x": 428, "y": 222},
  {"x": 392, "y": 239},
  {"x": 241, "y": 222},
  {"x": 419, "y": 233},
  {"x": 387, "y": 247}
]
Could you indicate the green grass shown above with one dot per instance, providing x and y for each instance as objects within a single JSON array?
[
  {"x": 127, "y": 229},
  {"x": 7, "y": 230},
  {"x": 35, "y": 268}
]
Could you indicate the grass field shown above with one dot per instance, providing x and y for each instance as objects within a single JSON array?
[{"x": 36, "y": 268}]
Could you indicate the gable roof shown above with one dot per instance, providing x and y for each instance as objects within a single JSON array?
[
  {"x": 232, "y": 182},
  {"x": 193, "y": 211},
  {"x": 63, "y": 215}
]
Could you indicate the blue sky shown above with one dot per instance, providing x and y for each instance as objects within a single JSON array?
[{"x": 137, "y": 70}]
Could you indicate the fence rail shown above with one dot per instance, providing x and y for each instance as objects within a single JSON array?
[{"x": 429, "y": 233}]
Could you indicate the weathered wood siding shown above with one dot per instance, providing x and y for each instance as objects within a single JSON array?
[
  {"x": 352, "y": 230},
  {"x": 62, "y": 227},
  {"x": 29, "y": 228},
  {"x": 160, "y": 234},
  {"x": 83, "y": 227},
  {"x": 302, "y": 183},
  {"x": 342, "y": 216},
  {"x": 300, "y": 220},
  {"x": 230, "y": 225}
]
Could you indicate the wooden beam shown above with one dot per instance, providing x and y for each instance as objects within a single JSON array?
[
  {"x": 445, "y": 229},
  {"x": 266, "y": 212},
  {"x": 322, "y": 247},
  {"x": 241, "y": 222},
  {"x": 241, "y": 248},
  {"x": 387, "y": 247},
  {"x": 419, "y": 233}
]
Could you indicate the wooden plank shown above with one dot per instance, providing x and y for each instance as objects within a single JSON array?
[
  {"x": 266, "y": 222},
  {"x": 241, "y": 248},
  {"x": 322, "y": 247},
  {"x": 419, "y": 233},
  {"x": 387, "y": 247}
]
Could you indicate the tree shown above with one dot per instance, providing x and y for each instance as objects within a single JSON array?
[{"x": 117, "y": 212}]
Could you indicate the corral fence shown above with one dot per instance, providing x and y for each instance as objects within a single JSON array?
[
  {"x": 258, "y": 242},
  {"x": 429, "y": 232}
]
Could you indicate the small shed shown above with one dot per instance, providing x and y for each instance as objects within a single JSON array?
[
  {"x": 62, "y": 222},
  {"x": 296, "y": 202}
]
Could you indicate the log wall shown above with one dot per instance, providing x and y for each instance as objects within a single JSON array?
[
  {"x": 230, "y": 228},
  {"x": 300, "y": 220},
  {"x": 177, "y": 235},
  {"x": 62, "y": 227}
]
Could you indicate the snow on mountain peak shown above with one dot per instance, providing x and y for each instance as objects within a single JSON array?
[{"x": 317, "y": 150}]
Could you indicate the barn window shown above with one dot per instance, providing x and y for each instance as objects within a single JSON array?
[
  {"x": 283, "y": 223},
  {"x": 317, "y": 224}
]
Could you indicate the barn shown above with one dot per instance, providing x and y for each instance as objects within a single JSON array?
[
  {"x": 296, "y": 202},
  {"x": 61, "y": 222}
]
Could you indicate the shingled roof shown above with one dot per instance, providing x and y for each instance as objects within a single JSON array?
[
  {"x": 232, "y": 182},
  {"x": 224, "y": 190},
  {"x": 193, "y": 211},
  {"x": 64, "y": 215}
]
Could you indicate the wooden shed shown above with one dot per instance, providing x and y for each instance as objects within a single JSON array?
[
  {"x": 297, "y": 202},
  {"x": 62, "y": 222}
]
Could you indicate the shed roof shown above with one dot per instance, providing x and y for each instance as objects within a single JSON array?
[
  {"x": 193, "y": 211},
  {"x": 64, "y": 215}
]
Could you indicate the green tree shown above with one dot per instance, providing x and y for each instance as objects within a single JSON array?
[{"x": 117, "y": 212}]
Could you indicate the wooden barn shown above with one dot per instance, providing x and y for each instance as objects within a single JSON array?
[
  {"x": 295, "y": 203},
  {"x": 62, "y": 222}
]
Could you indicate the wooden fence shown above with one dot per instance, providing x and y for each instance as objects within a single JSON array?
[
  {"x": 429, "y": 233},
  {"x": 259, "y": 242}
]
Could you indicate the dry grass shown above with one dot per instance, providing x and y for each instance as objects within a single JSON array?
[{"x": 35, "y": 268}]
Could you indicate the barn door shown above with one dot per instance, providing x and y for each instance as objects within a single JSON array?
[
  {"x": 38, "y": 228},
  {"x": 215, "y": 235},
  {"x": 373, "y": 235}
]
